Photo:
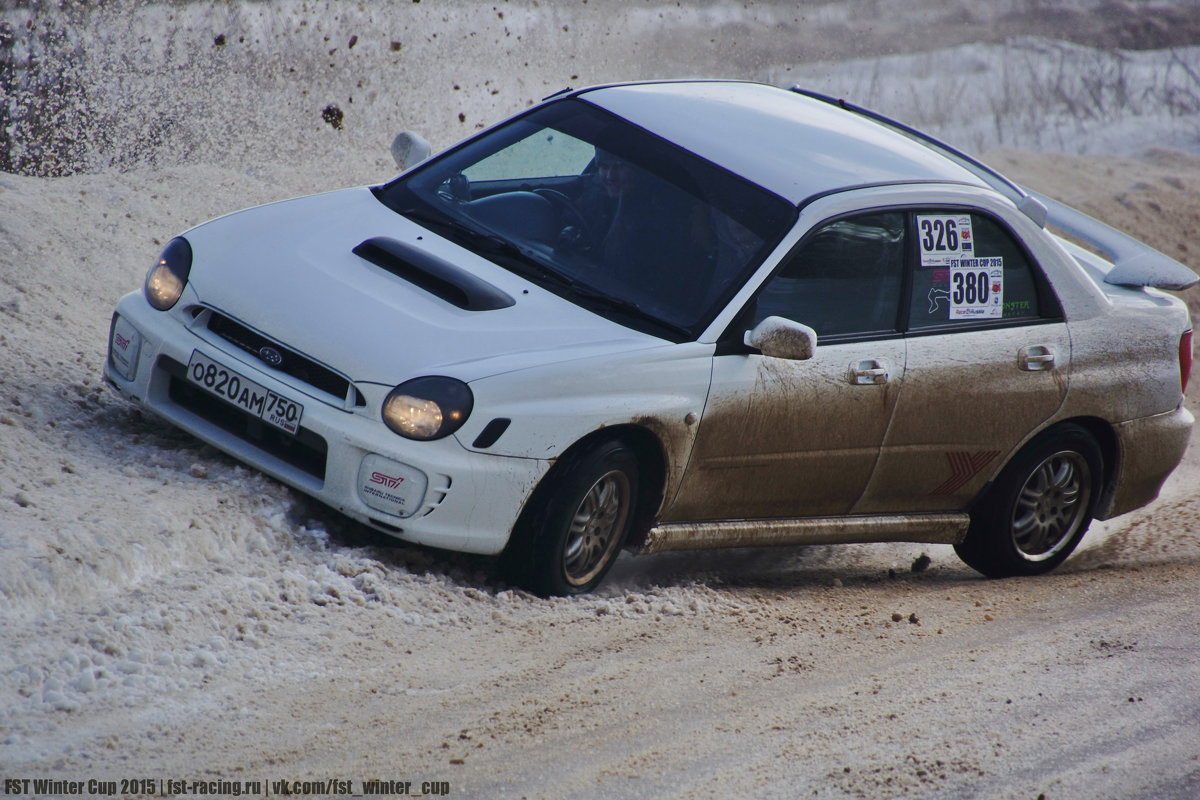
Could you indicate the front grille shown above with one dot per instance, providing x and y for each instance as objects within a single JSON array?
[
  {"x": 306, "y": 451},
  {"x": 298, "y": 366}
]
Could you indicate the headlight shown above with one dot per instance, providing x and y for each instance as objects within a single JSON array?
[
  {"x": 166, "y": 279},
  {"x": 428, "y": 408}
]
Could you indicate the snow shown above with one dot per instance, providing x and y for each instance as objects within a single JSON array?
[
  {"x": 1028, "y": 92},
  {"x": 168, "y": 611}
]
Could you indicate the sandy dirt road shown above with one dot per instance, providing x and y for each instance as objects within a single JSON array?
[{"x": 1078, "y": 685}]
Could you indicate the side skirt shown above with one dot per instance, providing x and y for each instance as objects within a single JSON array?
[{"x": 922, "y": 528}]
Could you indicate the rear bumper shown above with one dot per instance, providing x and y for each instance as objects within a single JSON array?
[{"x": 1150, "y": 449}]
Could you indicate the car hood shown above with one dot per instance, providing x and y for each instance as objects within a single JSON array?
[{"x": 288, "y": 270}]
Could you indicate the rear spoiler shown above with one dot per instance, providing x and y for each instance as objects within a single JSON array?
[{"x": 1134, "y": 263}]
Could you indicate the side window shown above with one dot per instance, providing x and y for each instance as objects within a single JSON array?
[
  {"x": 969, "y": 269},
  {"x": 844, "y": 280}
]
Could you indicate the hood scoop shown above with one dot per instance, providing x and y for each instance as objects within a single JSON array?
[{"x": 435, "y": 275}]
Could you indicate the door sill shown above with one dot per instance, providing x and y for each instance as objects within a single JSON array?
[{"x": 920, "y": 528}]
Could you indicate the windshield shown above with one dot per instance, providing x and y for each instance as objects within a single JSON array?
[{"x": 601, "y": 212}]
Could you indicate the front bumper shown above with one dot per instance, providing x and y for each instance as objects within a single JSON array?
[{"x": 437, "y": 493}]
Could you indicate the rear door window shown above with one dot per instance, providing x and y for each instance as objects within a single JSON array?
[{"x": 970, "y": 270}]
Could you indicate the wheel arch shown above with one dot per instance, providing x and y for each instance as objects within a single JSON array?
[
  {"x": 1033, "y": 514},
  {"x": 1105, "y": 437},
  {"x": 652, "y": 473},
  {"x": 1110, "y": 456}
]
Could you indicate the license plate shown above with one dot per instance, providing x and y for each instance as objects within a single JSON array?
[{"x": 244, "y": 393}]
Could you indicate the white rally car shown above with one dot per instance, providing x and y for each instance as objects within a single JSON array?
[{"x": 678, "y": 315}]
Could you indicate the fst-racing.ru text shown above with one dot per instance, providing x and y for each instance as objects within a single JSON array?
[{"x": 167, "y": 787}]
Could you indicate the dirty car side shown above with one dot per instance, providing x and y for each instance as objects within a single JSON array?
[{"x": 678, "y": 315}]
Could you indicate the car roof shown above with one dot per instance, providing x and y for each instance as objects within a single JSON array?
[{"x": 796, "y": 146}]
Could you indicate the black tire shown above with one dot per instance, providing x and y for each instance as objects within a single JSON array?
[
  {"x": 1038, "y": 509},
  {"x": 572, "y": 529}
]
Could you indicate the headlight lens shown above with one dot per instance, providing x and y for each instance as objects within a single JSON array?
[
  {"x": 166, "y": 279},
  {"x": 428, "y": 408}
]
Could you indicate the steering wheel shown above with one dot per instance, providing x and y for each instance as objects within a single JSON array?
[{"x": 578, "y": 225}]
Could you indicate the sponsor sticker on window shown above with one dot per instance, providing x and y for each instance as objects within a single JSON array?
[
  {"x": 977, "y": 288},
  {"x": 944, "y": 238}
]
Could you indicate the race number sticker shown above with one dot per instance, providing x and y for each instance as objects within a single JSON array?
[
  {"x": 944, "y": 238},
  {"x": 977, "y": 288}
]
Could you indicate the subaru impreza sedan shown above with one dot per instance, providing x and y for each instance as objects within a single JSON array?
[{"x": 678, "y": 315}]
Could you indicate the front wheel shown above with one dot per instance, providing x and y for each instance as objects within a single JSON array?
[
  {"x": 1039, "y": 508},
  {"x": 570, "y": 533}
]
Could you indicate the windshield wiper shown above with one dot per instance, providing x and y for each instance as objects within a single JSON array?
[
  {"x": 480, "y": 242},
  {"x": 528, "y": 266},
  {"x": 584, "y": 291},
  {"x": 489, "y": 244}
]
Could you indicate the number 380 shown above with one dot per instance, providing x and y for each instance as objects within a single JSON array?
[{"x": 970, "y": 288}]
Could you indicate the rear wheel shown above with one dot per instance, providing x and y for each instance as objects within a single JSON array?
[
  {"x": 1039, "y": 508},
  {"x": 568, "y": 537}
]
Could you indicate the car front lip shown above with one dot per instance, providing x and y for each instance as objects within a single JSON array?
[{"x": 469, "y": 502}]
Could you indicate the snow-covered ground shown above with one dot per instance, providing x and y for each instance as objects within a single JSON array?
[
  {"x": 1029, "y": 92},
  {"x": 169, "y": 614}
]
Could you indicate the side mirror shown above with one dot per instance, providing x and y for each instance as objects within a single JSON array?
[
  {"x": 782, "y": 338},
  {"x": 409, "y": 149}
]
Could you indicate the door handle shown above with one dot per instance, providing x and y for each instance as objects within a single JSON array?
[
  {"x": 868, "y": 372},
  {"x": 1036, "y": 358}
]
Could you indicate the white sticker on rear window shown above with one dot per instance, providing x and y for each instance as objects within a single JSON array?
[
  {"x": 944, "y": 238},
  {"x": 977, "y": 288}
]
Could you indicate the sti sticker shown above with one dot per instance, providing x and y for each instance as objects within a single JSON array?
[
  {"x": 977, "y": 288},
  {"x": 944, "y": 238}
]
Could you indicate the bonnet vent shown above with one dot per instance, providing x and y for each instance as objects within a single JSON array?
[{"x": 435, "y": 275}]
